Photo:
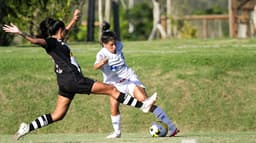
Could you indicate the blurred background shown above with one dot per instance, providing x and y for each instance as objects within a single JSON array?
[{"x": 135, "y": 19}]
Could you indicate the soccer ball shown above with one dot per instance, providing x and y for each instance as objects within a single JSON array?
[{"x": 158, "y": 129}]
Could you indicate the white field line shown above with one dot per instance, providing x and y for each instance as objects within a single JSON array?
[
  {"x": 155, "y": 51},
  {"x": 218, "y": 46}
]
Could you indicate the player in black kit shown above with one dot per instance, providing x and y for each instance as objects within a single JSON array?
[{"x": 69, "y": 75}]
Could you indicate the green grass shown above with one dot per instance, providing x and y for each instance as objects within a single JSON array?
[
  {"x": 203, "y": 85},
  {"x": 209, "y": 137}
]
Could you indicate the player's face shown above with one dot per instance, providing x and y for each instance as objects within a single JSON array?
[{"x": 110, "y": 46}]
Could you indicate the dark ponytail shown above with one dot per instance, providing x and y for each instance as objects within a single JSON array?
[
  {"x": 49, "y": 27},
  {"x": 55, "y": 26},
  {"x": 44, "y": 28},
  {"x": 107, "y": 35},
  {"x": 105, "y": 26}
]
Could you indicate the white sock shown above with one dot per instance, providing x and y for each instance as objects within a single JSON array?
[
  {"x": 160, "y": 114},
  {"x": 116, "y": 121}
]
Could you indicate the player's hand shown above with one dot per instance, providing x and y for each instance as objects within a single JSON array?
[
  {"x": 76, "y": 14},
  {"x": 104, "y": 61},
  {"x": 11, "y": 29}
]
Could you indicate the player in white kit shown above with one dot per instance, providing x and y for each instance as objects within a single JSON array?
[{"x": 111, "y": 61}]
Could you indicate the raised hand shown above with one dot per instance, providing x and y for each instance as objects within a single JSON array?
[
  {"x": 73, "y": 20},
  {"x": 76, "y": 14}
]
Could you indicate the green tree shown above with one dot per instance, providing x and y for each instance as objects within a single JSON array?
[
  {"x": 27, "y": 14},
  {"x": 5, "y": 13},
  {"x": 141, "y": 17}
]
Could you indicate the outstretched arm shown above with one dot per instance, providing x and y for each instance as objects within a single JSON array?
[
  {"x": 15, "y": 30},
  {"x": 73, "y": 20}
]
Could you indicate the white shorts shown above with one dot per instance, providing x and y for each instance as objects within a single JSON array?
[{"x": 127, "y": 85}]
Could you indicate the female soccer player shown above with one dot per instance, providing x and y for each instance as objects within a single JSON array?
[
  {"x": 69, "y": 75},
  {"x": 110, "y": 60}
]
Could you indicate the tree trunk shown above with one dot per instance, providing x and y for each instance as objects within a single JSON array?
[
  {"x": 169, "y": 14},
  {"x": 90, "y": 20},
  {"x": 156, "y": 21},
  {"x": 127, "y": 8},
  {"x": 254, "y": 21},
  {"x": 100, "y": 11},
  {"x": 115, "y": 8},
  {"x": 131, "y": 25},
  {"x": 107, "y": 10},
  {"x": 231, "y": 20}
]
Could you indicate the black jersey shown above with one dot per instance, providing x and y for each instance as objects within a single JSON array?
[
  {"x": 65, "y": 63},
  {"x": 69, "y": 75}
]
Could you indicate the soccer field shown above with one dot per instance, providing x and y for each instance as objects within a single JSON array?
[
  {"x": 211, "y": 137},
  {"x": 207, "y": 87}
]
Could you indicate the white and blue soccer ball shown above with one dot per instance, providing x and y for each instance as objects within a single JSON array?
[{"x": 158, "y": 129}]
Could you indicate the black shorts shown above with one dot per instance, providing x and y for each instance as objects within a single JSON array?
[{"x": 70, "y": 85}]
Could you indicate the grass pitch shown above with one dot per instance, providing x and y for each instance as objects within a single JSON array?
[
  {"x": 206, "y": 137},
  {"x": 207, "y": 87}
]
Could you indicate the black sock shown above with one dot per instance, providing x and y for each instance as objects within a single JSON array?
[
  {"x": 40, "y": 122},
  {"x": 129, "y": 100}
]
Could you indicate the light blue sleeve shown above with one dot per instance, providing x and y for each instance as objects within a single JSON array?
[{"x": 119, "y": 46}]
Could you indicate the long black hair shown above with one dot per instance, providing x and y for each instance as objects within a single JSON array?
[{"x": 50, "y": 26}]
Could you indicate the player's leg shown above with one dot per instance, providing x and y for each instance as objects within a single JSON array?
[
  {"x": 161, "y": 115},
  {"x": 60, "y": 111},
  {"x": 141, "y": 95},
  {"x": 115, "y": 118},
  {"x": 107, "y": 89}
]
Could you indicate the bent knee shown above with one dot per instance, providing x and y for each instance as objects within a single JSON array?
[{"x": 112, "y": 90}]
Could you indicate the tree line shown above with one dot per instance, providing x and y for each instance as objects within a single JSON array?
[{"x": 136, "y": 17}]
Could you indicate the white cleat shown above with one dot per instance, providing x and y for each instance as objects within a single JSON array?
[
  {"x": 113, "y": 135},
  {"x": 147, "y": 104},
  {"x": 23, "y": 130}
]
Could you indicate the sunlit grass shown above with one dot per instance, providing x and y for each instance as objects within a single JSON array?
[{"x": 203, "y": 85}]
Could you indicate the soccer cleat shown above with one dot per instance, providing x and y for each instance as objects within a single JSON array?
[
  {"x": 23, "y": 130},
  {"x": 147, "y": 104},
  {"x": 176, "y": 131},
  {"x": 113, "y": 135}
]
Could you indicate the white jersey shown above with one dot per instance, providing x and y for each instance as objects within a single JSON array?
[{"x": 116, "y": 71}]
